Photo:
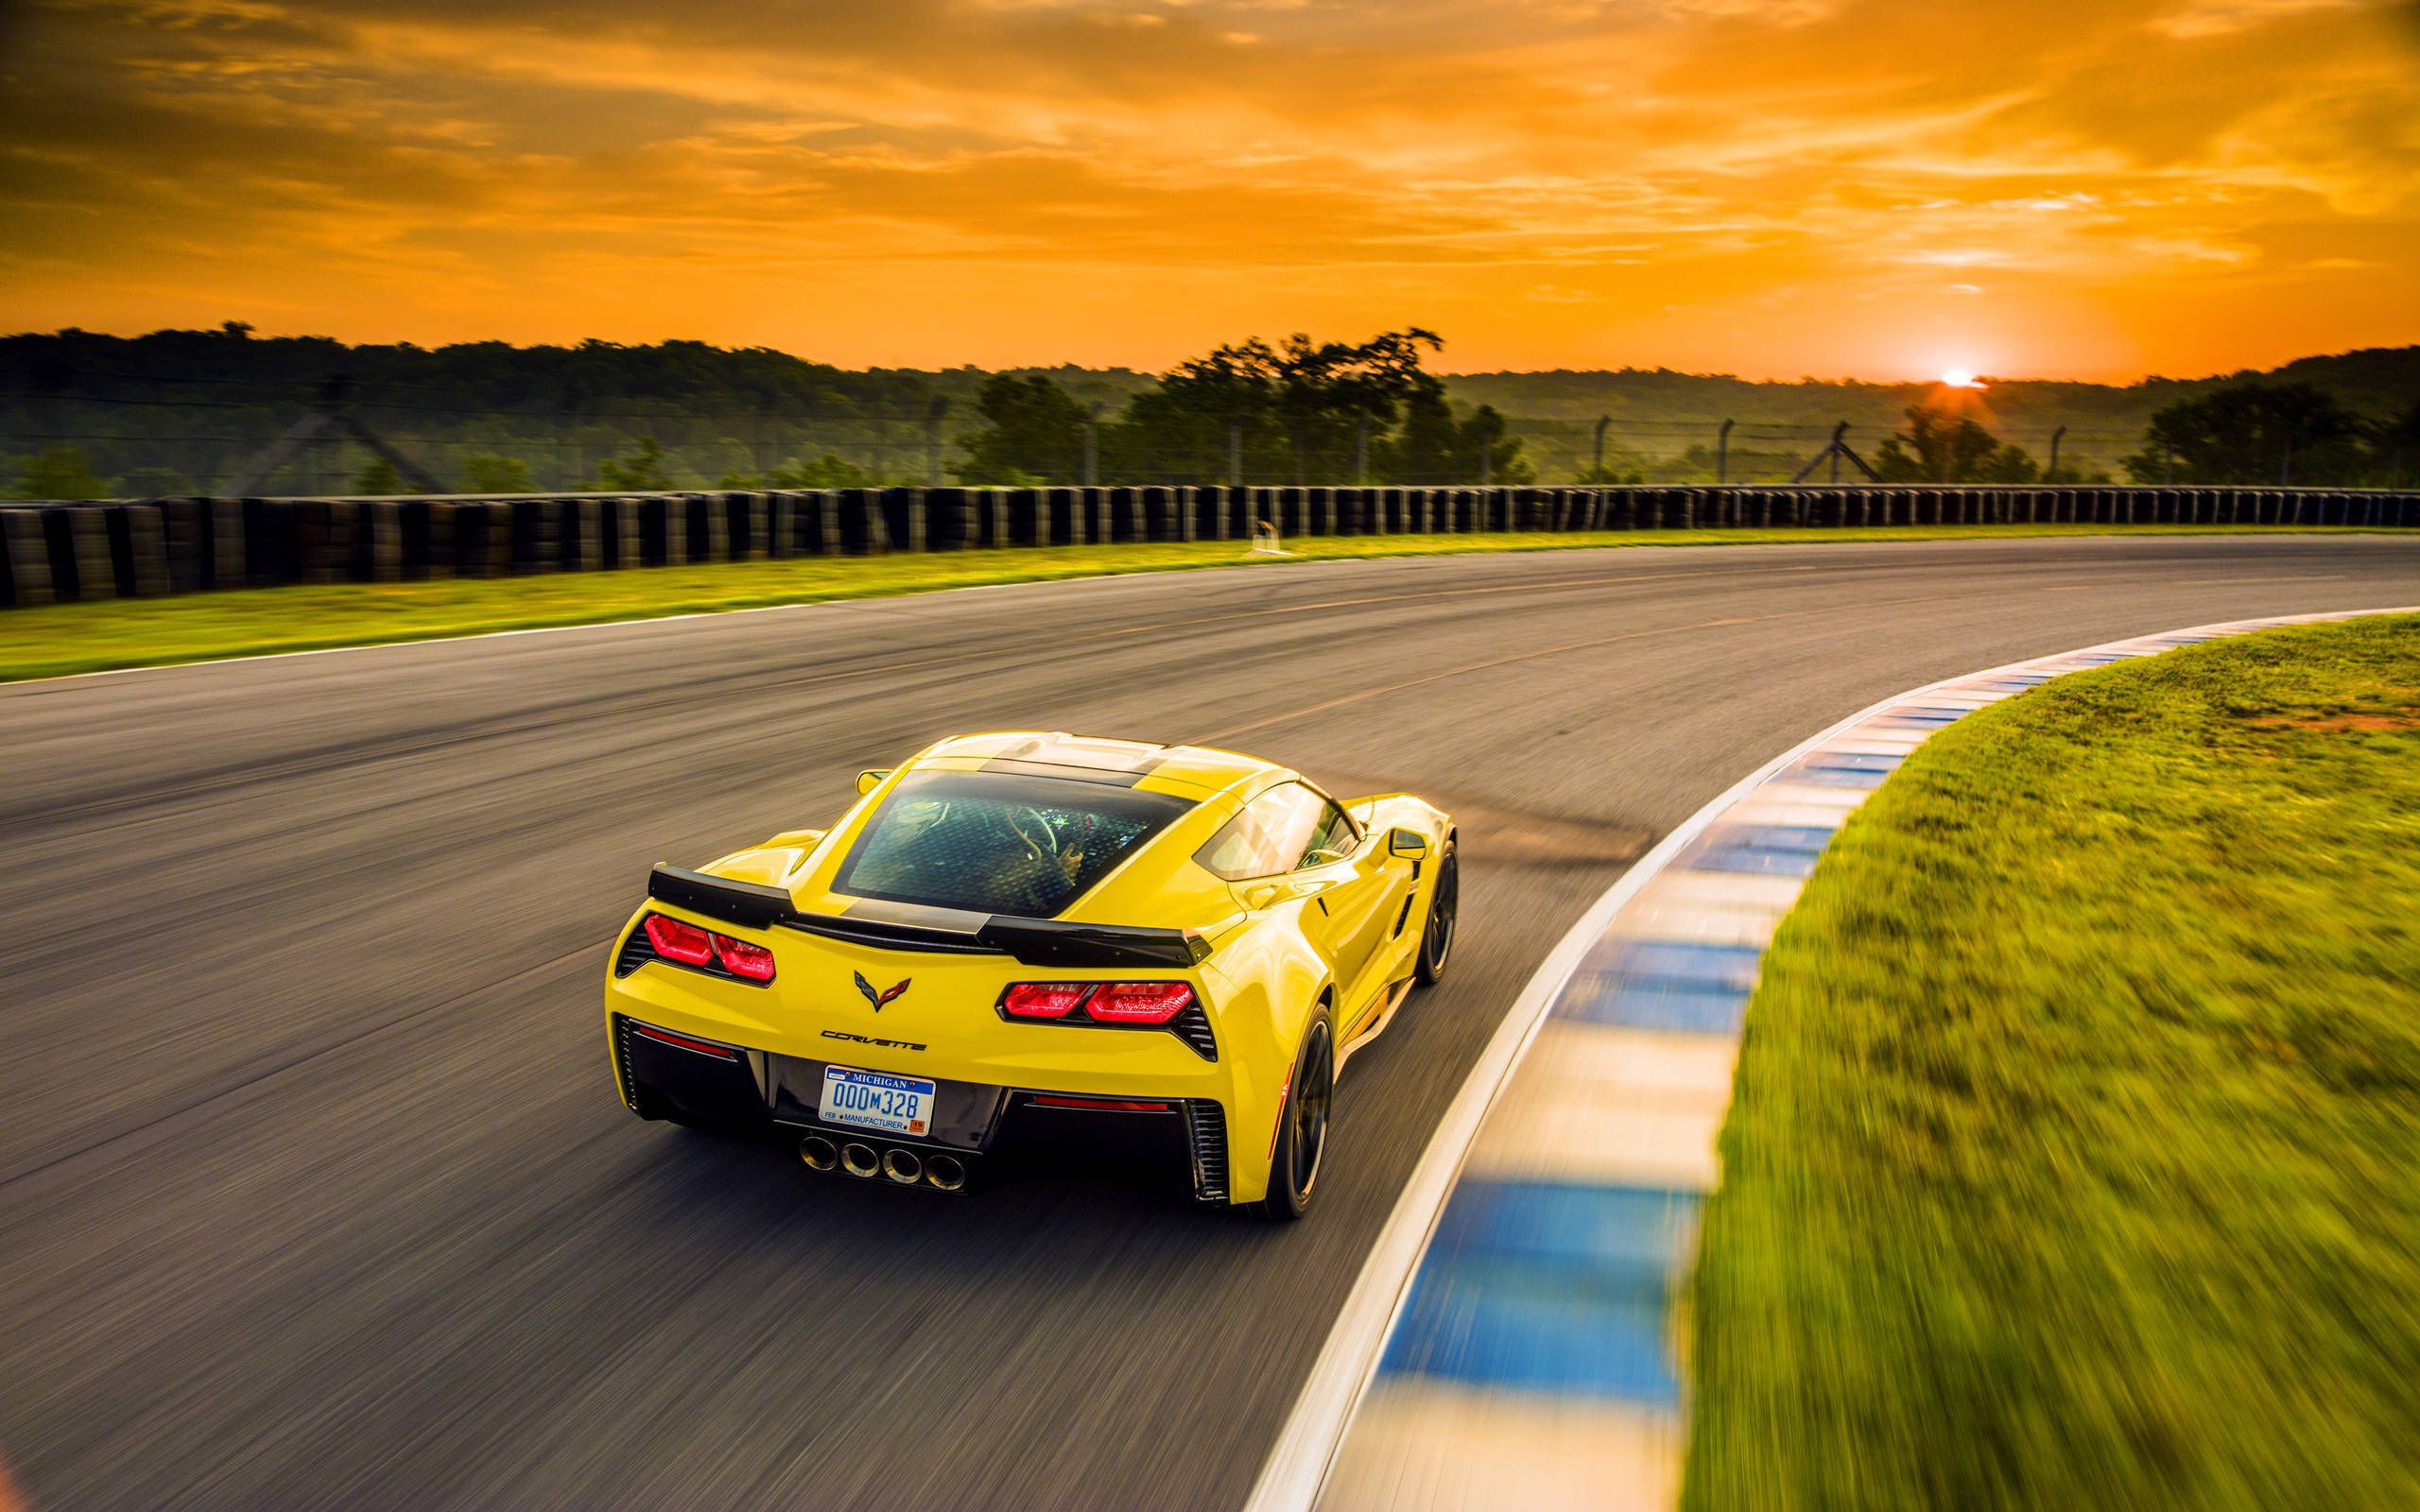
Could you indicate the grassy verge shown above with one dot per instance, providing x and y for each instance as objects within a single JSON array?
[
  {"x": 68, "y": 638},
  {"x": 2072, "y": 1160}
]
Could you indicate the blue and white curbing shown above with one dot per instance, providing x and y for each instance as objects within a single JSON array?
[{"x": 1508, "y": 1343}]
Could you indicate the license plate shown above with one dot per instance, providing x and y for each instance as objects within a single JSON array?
[{"x": 870, "y": 1099}]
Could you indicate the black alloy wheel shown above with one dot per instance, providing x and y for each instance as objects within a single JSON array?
[
  {"x": 1444, "y": 910},
  {"x": 1302, "y": 1138}
]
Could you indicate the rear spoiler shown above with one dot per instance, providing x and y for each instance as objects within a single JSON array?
[
  {"x": 1033, "y": 941},
  {"x": 751, "y": 903}
]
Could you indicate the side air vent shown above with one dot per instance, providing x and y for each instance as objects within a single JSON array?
[
  {"x": 622, "y": 1049},
  {"x": 1205, "y": 1127}
]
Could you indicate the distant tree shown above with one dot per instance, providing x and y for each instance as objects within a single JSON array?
[
  {"x": 379, "y": 477},
  {"x": 2253, "y": 433},
  {"x": 825, "y": 471},
  {"x": 1034, "y": 434},
  {"x": 641, "y": 470},
  {"x": 1483, "y": 435},
  {"x": 2009, "y": 464},
  {"x": 2395, "y": 448},
  {"x": 59, "y": 472},
  {"x": 495, "y": 474},
  {"x": 1437, "y": 447},
  {"x": 154, "y": 483},
  {"x": 1938, "y": 448},
  {"x": 1302, "y": 410}
]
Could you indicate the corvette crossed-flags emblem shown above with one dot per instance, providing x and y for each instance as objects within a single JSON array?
[{"x": 879, "y": 999}]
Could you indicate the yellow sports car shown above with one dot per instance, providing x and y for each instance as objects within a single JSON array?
[{"x": 1017, "y": 941}]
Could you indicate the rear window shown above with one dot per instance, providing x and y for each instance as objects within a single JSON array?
[{"x": 995, "y": 844}]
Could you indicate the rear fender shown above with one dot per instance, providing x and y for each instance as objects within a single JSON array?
[{"x": 1268, "y": 981}]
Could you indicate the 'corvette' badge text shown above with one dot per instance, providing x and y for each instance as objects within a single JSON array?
[{"x": 865, "y": 1039}]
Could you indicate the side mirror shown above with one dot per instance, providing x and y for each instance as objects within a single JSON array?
[
  {"x": 870, "y": 780},
  {"x": 1410, "y": 844}
]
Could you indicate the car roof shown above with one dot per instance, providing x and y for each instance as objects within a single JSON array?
[{"x": 1192, "y": 771}]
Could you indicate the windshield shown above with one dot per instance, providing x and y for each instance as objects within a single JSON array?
[{"x": 995, "y": 843}]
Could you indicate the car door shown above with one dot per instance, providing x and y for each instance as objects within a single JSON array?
[
  {"x": 1293, "y": 844},
  {"x": 1348, "y": 868}
]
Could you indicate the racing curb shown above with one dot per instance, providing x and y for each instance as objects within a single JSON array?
[{"x": 1508, "y": 1340}]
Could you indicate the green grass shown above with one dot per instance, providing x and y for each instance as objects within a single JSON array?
[
  {"x": 57, "y": 640},
  {"x": 2074, "y": 1160}
]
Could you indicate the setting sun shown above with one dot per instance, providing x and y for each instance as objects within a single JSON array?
[{"x": 1960, "y": 378}]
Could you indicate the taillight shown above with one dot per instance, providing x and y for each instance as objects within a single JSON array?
[
  {"x": 740, "y": 959},
  {"x": 1043, "y": 1000},
  {"x": 1139, "y": 1002},
  {"x": 681, "y": 942}
]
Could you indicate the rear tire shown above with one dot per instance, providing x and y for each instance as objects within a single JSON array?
[
  {"x": 1445, "y": 915},
  {"x": 1302, "y": 1128}
]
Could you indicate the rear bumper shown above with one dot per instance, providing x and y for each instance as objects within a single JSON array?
[{"x": 666, "y": 1073}]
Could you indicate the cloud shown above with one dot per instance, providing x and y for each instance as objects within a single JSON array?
[{"x": 1551, "y": 181}]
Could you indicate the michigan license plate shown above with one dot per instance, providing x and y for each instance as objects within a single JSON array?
[{"x": 870, "y": 1099}]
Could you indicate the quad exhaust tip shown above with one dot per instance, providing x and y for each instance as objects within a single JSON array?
[{"x": 942, "y": 1173}]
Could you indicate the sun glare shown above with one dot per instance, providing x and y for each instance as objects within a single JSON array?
[{"x": 1960, "y": 378}]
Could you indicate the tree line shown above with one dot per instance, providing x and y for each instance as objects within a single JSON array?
[{"x": 84, "y": 415}]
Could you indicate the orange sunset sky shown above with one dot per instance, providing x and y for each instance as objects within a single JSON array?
[{"x": 1883, "y": 188}]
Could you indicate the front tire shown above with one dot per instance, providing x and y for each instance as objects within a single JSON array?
[
  {"x": 1444, "y": 914},
  {"x": 1302, "y": 1131}
]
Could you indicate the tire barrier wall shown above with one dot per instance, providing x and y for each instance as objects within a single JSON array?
[{"x": 55, "y": 552}]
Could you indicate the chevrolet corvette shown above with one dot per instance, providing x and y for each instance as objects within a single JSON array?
[{"x": 1037, "y": 942}]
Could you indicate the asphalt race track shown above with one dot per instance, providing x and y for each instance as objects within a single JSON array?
[{"x": 314, "y": 1191}]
